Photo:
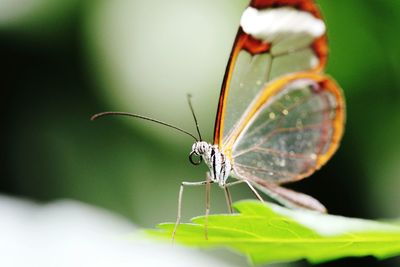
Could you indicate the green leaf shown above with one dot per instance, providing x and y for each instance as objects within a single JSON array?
[{"x": 270, "y": 233}]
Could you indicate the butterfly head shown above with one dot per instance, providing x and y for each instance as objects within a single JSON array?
[{"x": 199, "y": 149}]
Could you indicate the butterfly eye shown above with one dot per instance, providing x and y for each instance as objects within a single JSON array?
[{"x": 193, "y": 160}]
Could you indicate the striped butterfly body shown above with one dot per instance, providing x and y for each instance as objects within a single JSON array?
[{"x": 217, "y": 162}]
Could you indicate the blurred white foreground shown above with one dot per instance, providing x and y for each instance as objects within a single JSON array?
[{"x": 69, "y": 233}]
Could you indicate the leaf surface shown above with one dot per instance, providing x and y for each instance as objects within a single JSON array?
[{"x": 270, "y": 233}]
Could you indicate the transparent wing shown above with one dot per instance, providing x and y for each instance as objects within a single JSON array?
[
  {"x": 290, "y": 198},
  {"x": 275, "y": 38},
  {"x": 292, "y": 129}
]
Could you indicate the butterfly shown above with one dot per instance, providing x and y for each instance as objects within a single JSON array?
[{"x": 279, "y": 117}]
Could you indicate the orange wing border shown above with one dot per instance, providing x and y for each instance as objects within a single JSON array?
[
  {"x": 246, "y": 42},
  {"x": 326, "y": 83}
]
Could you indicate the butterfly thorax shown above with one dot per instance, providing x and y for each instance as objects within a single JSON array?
[{"x": 217, "y": 162}]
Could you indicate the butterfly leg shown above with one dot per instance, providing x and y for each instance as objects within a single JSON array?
[
  {"x": 254, "y": 191},
  {"x": 183, "y": 184},
  {"x": 228, "y": 198},
  {"x": 208, "y": 198},
  {"x": 258, "y": 196}
]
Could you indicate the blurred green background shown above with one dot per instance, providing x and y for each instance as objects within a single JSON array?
[{"x": 66, "y": 60}]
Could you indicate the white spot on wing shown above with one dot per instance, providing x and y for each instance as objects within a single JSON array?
[
  {"x": 314, "y": 62},
  {"x": 279, "y": 23}
]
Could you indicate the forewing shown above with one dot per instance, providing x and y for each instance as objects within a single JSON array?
[
  {"x": 292, "y": 129},
  {"x": 275, "y": 38}
]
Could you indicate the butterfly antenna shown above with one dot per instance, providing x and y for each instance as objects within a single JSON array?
[
  {"x": 189, "y": 97},
  {"x": 116, "y": 113}
]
